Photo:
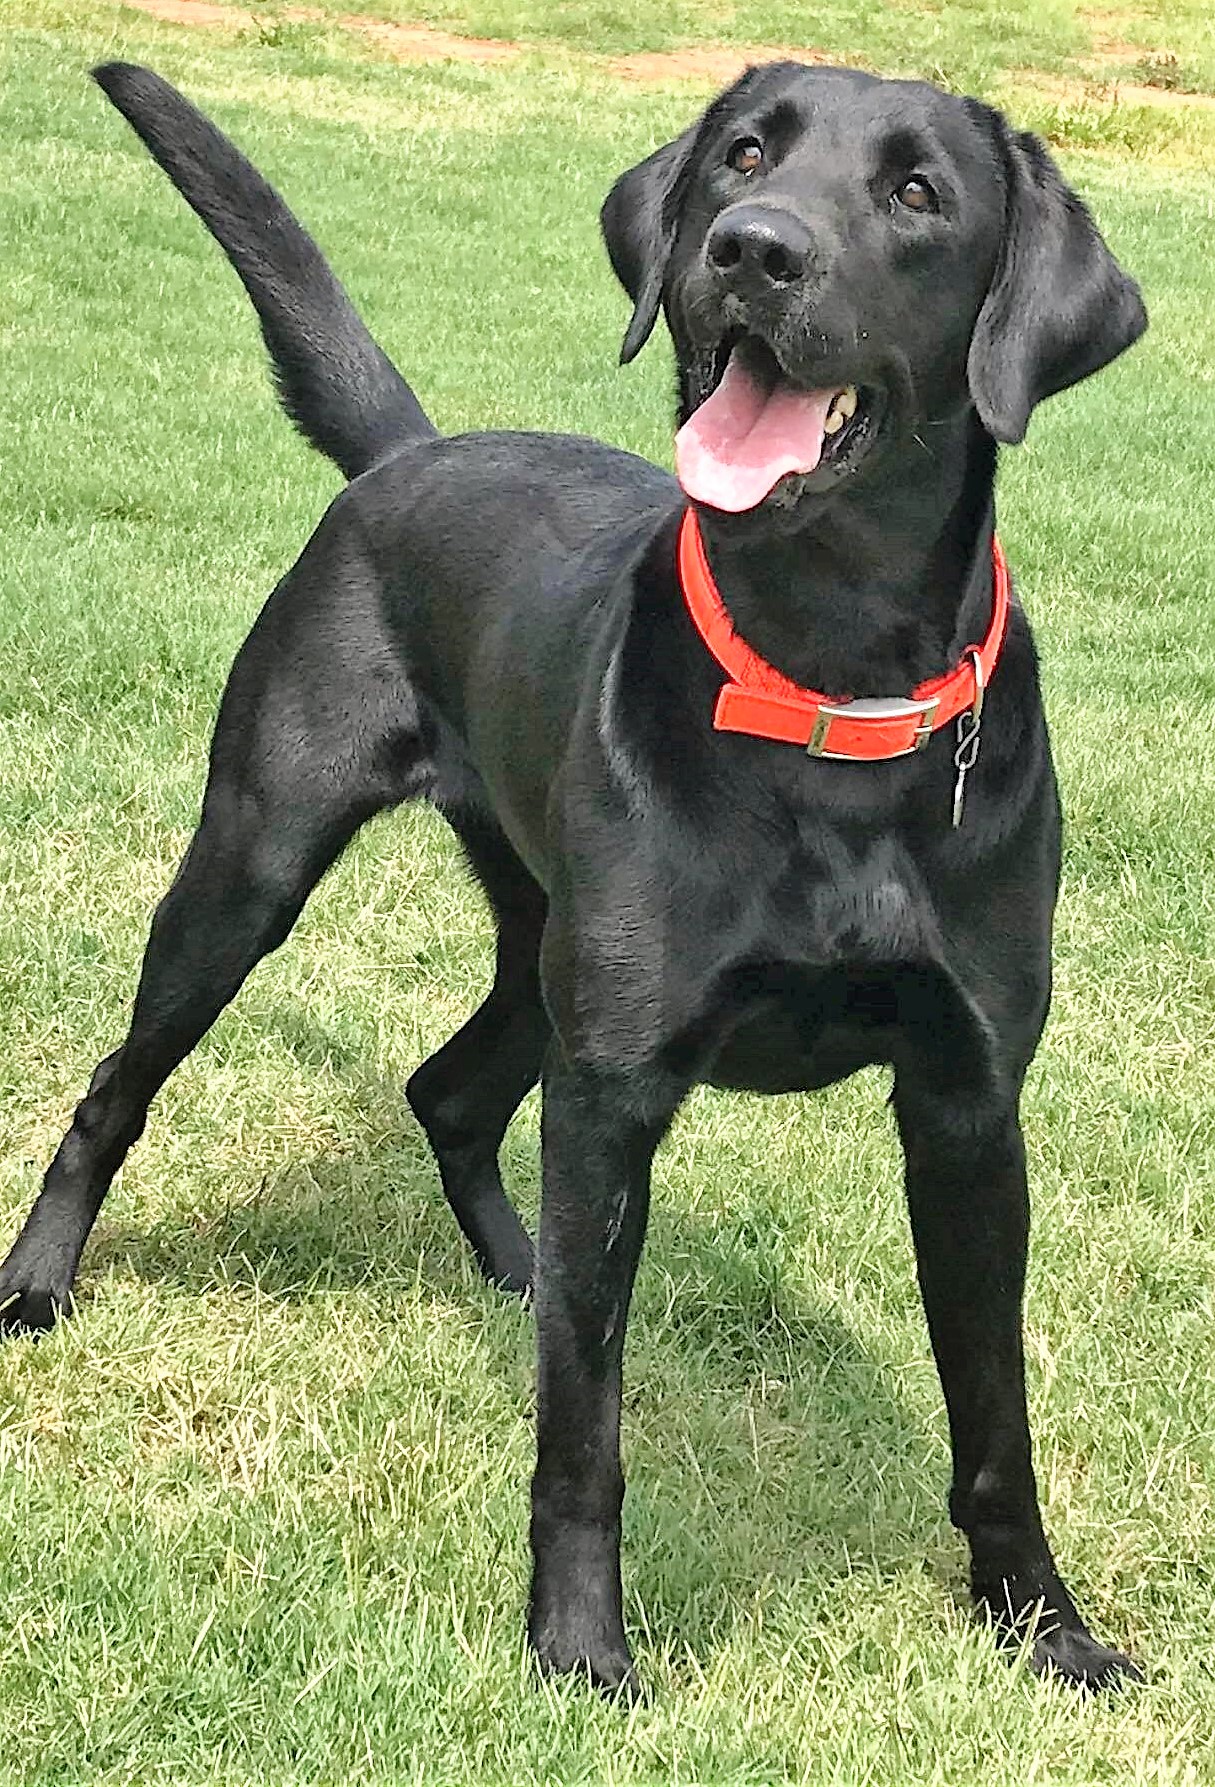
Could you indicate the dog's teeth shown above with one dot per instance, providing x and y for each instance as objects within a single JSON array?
[{"x": 843, "y": 408}]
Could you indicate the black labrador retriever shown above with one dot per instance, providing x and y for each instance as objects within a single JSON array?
[{"x": 702, "y": 866}]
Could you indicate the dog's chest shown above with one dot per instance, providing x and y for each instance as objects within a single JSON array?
[
  {"x": 813, "y": 993},
  {"x": 836, "y": 905},
  {"x": 823, "y": 901},
  {"x": 769, "y": 971}
]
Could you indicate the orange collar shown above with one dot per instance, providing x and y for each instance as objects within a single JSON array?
[{"x": 758, "y": 699}]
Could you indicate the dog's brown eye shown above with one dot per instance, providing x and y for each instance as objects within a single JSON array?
[
  {"x": 746, "y": 155},
  {"x": 916, "y": 195}
]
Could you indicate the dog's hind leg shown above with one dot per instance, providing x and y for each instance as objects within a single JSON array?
[
  {"x": 465, "y": 1095},
  {"x": 317, "y": 731}
]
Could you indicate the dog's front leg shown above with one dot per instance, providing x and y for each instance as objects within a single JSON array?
[
  {"x": 599, "y": 1134},
  {"x": 969, "y": 1204}
]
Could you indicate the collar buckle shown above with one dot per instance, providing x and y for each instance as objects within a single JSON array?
[{"x": 885, "y": 719}]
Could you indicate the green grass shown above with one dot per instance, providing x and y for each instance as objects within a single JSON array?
[
  {"x": 1176, "y": 39},
  {"x": 963, "y": 37},
  {"x": 960, "y": 39},
  {"x": 263, "y": 1504},
  {"x": 967, "y": 43}
]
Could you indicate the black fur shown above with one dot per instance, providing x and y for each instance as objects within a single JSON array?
[{"x": 493, "y": 623}]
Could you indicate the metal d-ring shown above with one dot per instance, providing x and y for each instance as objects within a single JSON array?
[{"x": 969, "y": 726}]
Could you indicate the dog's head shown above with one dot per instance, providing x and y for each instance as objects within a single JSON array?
[{"x": 843, "y": 261}]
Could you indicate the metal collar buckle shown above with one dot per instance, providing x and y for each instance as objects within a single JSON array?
[{"x": 877, "y": 709}]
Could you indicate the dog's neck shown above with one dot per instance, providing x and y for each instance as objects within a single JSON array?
[{"x": 884, "y": 588}]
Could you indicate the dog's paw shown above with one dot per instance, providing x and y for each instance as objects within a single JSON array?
[
  {"x": 1057, "y": 1644},
  {"x": 506, "y": 1256},
  {"x": 568, "y": 1646},
  {"x": 31, "y": 1309},
  {"x": 514, "y": 1285},
  {"x": 32, "y": 1299},
  {"x": 1077, "y": 1658},
  {"x": 511, "y": 1274}
]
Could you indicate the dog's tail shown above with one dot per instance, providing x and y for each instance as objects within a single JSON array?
[{"x": 339, "y": 388}]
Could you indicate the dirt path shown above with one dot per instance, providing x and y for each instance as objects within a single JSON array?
[
  {"x": 1125, "y": 92},
  {"x": 712, "y": 64}
]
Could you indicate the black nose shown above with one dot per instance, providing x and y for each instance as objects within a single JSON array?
[{"x": 759, "y": 245}]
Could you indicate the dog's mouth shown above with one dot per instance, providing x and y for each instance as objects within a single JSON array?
[{"x": 758, "y": 427}]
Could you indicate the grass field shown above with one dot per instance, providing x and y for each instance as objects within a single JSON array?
[{"x": 263, "y": 1504}]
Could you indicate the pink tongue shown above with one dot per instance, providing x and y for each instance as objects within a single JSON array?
[{"x": 742, "y": 440}]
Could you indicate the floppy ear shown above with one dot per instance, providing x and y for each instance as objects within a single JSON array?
[
  {"x": 1059, "y": 306},
  {"x": 640, "y": 216},
  {"x": 639, "y": 219}
]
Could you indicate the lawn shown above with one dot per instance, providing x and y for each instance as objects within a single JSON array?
[{"x": 263, "y": 1503}]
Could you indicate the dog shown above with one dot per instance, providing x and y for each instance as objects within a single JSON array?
[{"x": 751, "y": 766}]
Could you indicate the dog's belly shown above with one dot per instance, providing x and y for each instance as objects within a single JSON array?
[
  {"x": 790, "y": 1029},
  {"x": 770, "y": 1052}
]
